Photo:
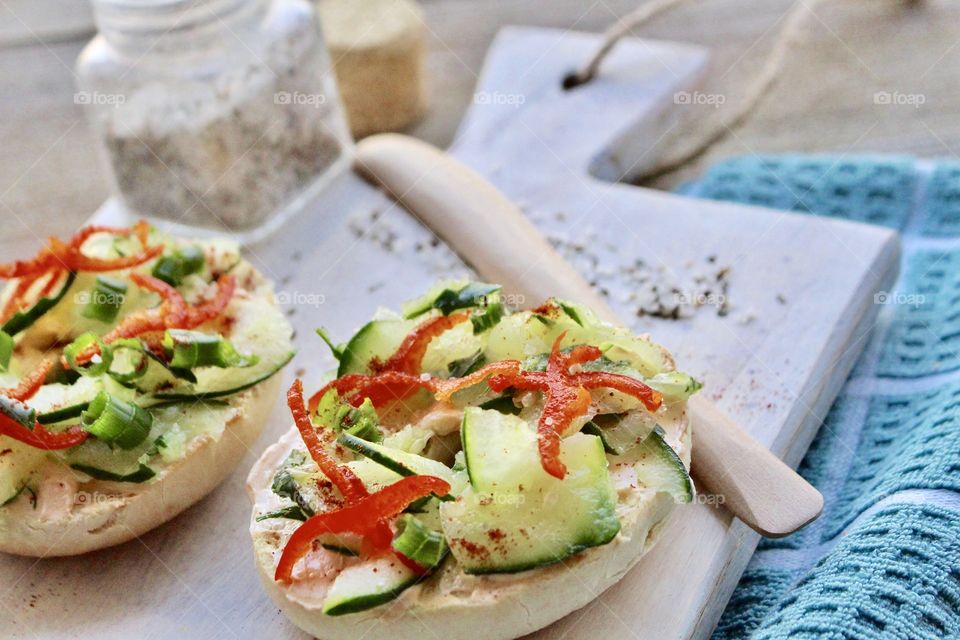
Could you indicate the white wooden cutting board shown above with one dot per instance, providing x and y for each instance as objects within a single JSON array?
[{"x": 800, "y": 294}]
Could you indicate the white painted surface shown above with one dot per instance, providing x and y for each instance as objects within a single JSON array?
[{"x": 194, "y": 577}]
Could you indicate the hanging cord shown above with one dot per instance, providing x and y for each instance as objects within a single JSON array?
[{"x": 754, "y": 94}]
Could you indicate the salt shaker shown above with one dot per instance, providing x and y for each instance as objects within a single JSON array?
[{"x": 213, "y": 114}]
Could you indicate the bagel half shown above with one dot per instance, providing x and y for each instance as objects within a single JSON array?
[
  {"x": 450, "y": 602},
  {"x": 71, "y": 501}
]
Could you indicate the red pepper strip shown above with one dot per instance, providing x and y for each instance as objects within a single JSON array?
[
  {"x": 395, "y": 385},
  {"x": 69, "y": 255},
  {"x": 650, "y": 398},
  {"x": 174, "y": 306},
  {"x": 198, "y": 314},
  {"x": 409, "y": 355},
  {"x": 40, "y": 438},
  {"x": 340, "y": 475},
  {"x": 358, "y": 518},
  {"x": 16, "y": 298},
  {"x": 413, "y": 565},
  {"x": 567, "y": 396},
  {"x": 446, "y": 388},
  {"x": 173, "y": 313},
  {"x": 29, "y": 385}
]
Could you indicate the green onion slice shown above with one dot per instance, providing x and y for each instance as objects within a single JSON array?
[
  {"x": 6, "y": 350},
  {"x": 173, "y": 268},
  {"x": 116, "y": 421},
  {"x": 106, "y": 298},
  {"x": 190, "y": 349},
  {"x": 100, "y": 363},
  {"x": 418, "y": 542}
]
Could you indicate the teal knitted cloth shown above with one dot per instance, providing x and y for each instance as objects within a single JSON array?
[{"x": 883, "y": 561}]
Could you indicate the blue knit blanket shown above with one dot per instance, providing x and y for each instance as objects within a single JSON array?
[{"x": 883, "y": 561}]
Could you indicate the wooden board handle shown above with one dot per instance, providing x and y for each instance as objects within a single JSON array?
[{"x": 492, "y": 235}]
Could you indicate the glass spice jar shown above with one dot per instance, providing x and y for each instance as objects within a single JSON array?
[{"x": 213, "y": 114}]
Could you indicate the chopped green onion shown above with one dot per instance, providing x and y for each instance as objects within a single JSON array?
[
  {"x": 116, "y": 421},
  {"x": 142, "y": 474},
  {"x": 134, "y": 369},
  {"x": 361, "y": 421},
  {"x": 18, "y": 412},
  {"x": 100, "y": 362},
  {"x": 190, "y": 349},
  {"x": 421, "y": 544},
  {"x": 336, "y": 350},
  {"x": 675, "y": 385},
  {"x": 173, "y": 268},
  {"x": 23, "y": 319},
  {"x": 106, "y": 298},
  {"x": 6, "y": 350}
]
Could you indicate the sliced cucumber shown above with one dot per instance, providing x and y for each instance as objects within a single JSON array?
[
  {"x": 378, "y": 339},
  {"x": 244, "y": 383},
  {"x": 675, "y": 385},
  {"x": 659, "y": 467},
  {"x": 397, "y": 461},
  {"x": 17, "y": 462},
  {"x": 620, "y": 432},
  {"x": 23, "y": 319},
  {"x": 141, "y": 474},
  {"x": 515, "y": 516},
  {"x": 369, "y": 584}
]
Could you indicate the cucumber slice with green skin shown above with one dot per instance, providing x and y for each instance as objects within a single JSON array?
[
  {"x": 675, "y": 385},
  {"x": 23, "y": 319},
  {"x": 369, "y": 584},
  {"x": 515, "y": 516},
  {"x": 658, "y": 466},
  {"x": 17, "y": 462},
  {"x": 378, "y": 339},
  {"x": 142, "y": 473},
  {"x": 399, "y": 462},
  {"x": 620, "y": 432},
  {"x": 222, "y": 393}
]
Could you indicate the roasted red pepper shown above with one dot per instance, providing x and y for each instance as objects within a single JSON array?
[
  {"x": 360, "y": 517},
  {"x": 40, "y": 438},
  {"x": 409, "y": 355},
  {"x": 567, "y": 396},
  {"x": 30, "y": 384},
  {"x": 69, "y": 256},
  {"x": 340, "y": 475}
]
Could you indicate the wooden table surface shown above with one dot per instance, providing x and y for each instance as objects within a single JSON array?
[{"x": 50, "y": 178}]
